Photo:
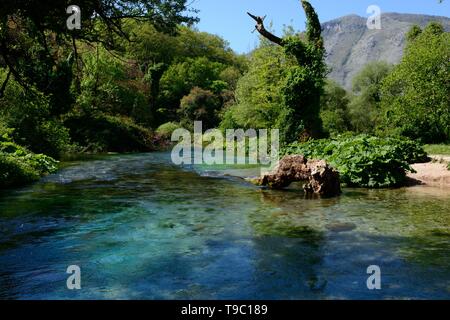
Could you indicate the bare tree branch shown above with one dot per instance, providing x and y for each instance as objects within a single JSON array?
[{"x": 263, "y": 31}]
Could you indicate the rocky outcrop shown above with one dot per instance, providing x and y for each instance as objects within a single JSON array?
[
  {"x": 350, "y": 45},
  {"x": 320, "y": 178}
]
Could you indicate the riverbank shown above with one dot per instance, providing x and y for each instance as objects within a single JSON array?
[{"x": 434, "y": 173}]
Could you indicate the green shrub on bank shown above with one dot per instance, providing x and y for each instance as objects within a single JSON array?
[
  {"x": 364, "y": 161},
  {"x": 19, "y": 166},
  {"x": 100, "y": 132},
  {"x": 438, "y": 149},
  {"x": 165, "y": 130}
]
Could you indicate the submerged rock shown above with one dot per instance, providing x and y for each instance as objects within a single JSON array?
[
  {"x": 341, "y": 227},
  {"x": 320, "y": 177}
]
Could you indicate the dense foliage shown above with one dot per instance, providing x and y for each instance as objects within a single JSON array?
[
  {"x": 411, "y": 99},
  {"x": 364, "y": 161},
  {"x": 67, "y": 90},
  {"x": 364, "y": 107},
  {"x": 259, "y": 102},
  {"x": 107, "y": 86},
  {"x": 416, "y": 95},
  {"x": 200, "y": 105},
  {"x": 283, "y": 87},
  {"x": 334, "y": 109},
  {"x": 18, "y": 165},
  {"x": 304, "y": 82}
]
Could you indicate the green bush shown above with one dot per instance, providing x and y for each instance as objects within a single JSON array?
[
  {"x": 200, "y": 105},
  {"x": 18, "y": 166},
  {"x": 364, "y": 105},
  {"x": 334, "y": 109},
  {"x": 364, "y": 161},
  {"x": 100, "y": 132},
  {"x": 165, "y": 130}
]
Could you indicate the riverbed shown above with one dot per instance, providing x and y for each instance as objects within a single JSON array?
[{"x": 140, "y": 227}]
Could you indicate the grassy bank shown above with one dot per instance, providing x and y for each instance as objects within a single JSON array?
[{"x": 439, "y": 149}]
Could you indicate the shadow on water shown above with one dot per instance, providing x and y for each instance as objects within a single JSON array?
[{"x": 142, "y": 228}]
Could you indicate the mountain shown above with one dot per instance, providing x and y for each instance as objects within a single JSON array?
[{"x": 350, "y": 44}]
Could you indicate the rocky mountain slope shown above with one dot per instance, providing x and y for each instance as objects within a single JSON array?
[{"x": 350, "y": 44}]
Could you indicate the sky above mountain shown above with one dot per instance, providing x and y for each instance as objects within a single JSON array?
[{"x": 228, "y": 18}]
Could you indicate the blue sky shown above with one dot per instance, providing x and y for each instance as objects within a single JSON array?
[{"x": 228, "y": 18}]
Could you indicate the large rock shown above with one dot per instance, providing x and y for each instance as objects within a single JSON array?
[{"x": 320, "y": 177}]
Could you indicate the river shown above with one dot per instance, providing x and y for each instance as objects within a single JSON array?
[{"x": 140, "y": 227}]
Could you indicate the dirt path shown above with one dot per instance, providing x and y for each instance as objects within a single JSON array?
[{"x": 432, "y": 173}]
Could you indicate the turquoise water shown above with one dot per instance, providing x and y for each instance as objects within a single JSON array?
[{"x": 141, "y": 228}]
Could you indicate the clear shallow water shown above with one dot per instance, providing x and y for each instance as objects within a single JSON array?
[{"x": 141, "y": 228}]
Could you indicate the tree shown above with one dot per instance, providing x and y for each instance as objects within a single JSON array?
[
  {"x": 415, "y": 96},
  {"x": 34, "y": 38},
  {"x": 334, "y": 109},
  {"x": 181, "y": 77},
  {"x": 200, "y": 105},
  {"x": 174, "y": 64},
  {"x": 258, "y": 95},
  {"x": 39, "y": 54},
  {"x": 364, "y": 107},
  {"x": 304, "y": 81}
]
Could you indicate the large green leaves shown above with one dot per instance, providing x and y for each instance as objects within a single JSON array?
[{"x": 364, "y": 161}]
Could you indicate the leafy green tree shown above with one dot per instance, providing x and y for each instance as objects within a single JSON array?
[
  {"x": 200, "y": 105},
  {"x": 181, "y": 77},
  {"x": 165, "y": 130},
  {"x": 304, "y": 81},
  {"x": 334, "y": 109},
  {"x": 415, "y": 96},
  {"x": 51, "y": 63},
  {"x": 191, "y": 43},
  {"x": 33, "y": 35},
  {"x": 28, "y": 112},
  {"x": 258, "y": 95},
  {"x": 157, "y": 53},
  {"x": 110, "y": 85},
  {"x": 364, "y": 107}
]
